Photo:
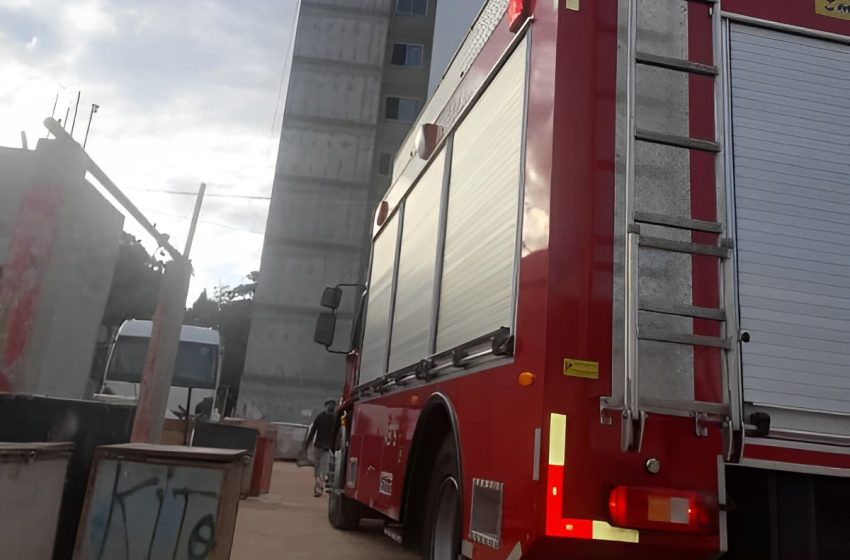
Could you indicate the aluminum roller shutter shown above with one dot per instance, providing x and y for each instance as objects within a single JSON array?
[
  {"x": 373, "y": 357},
  {"x": 476, "y": 295},
  {"x": 411, "y": 327},
  {"x": 791, "y": 144}
]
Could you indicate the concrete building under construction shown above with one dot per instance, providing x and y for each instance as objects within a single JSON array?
[{"x": 359, "y": 76}]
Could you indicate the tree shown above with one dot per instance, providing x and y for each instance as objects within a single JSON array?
[
  {"x": 230, "y": 313},
  {"x": 133, "y": 294}
]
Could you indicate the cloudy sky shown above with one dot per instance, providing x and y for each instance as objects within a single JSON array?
[{"x": 189, "y": 90}]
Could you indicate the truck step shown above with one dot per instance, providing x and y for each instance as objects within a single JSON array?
[{"x": 395, "y": 531}]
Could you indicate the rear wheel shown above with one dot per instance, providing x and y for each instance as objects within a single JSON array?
[
  {"x": 443, "y": 519},
  {"x": 343, "y": 512}
]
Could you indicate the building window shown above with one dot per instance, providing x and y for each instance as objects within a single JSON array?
[
  {"x": 411, "y": 7},
  {"x": 385, "y": 164},
  {"x": 405, "y": 54},
  {"x": 402, "y": 109}
]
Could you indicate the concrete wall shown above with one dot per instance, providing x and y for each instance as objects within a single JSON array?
[
  {"x": 325, "y": 190},
  {"x": 58, "y": 246}
]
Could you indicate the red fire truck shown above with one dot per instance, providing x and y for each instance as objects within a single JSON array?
[{"x": 608, "y": 311}]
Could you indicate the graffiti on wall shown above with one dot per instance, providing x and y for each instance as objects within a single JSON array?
[{"x": 142, "y": 511}]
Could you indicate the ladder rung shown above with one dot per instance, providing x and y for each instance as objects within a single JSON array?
[
  {"x": 683, "y": 247},
  {"x": 686, "y": 339},
  {"x": 678, "y": 222},
  {"x": 686, "y": 408},
  {"x": 677, "y": 141},
  {"x": 683, "y": 310},
  {"x": 677, "y": 64}
]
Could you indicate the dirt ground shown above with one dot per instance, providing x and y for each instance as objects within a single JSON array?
[{"x": 290, "y": 524}]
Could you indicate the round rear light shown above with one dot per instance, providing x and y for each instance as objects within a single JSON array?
[{"x": 382, "y": 213}]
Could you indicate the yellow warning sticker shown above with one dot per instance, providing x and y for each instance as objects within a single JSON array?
[
  {"x": 572, "y": 5},
  {"x": 839, "y": 9},
  {"x": 581, "y": 368}
]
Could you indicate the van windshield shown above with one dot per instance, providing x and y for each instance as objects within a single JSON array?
[{"x": 195, "y": 366}]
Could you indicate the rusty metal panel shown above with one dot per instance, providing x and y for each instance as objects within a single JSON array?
[{"x": 32, "y": 481}]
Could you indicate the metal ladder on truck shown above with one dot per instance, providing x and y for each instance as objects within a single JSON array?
[{"x": 634, "y": 406}]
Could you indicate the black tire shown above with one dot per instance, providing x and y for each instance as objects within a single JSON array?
[
  {"x": 443, "y": 515},
  {"x": 343, "y": 512}
]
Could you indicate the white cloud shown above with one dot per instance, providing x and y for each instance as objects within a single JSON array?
[
  {"x": 89, "y": 17},
  {"x": 187, "y": 93}
]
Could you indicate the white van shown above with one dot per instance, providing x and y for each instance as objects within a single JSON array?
[{"x": 196, "y": 371}]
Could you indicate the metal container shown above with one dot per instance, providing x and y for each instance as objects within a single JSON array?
[
  {"x": 229, "y": 436},
  {"x": 32, "y": 481},
  {"x": 160, "y": 501},
  {"x": 264, "y": 452},
  {"x": 88, "y": 425},
  {"x": 290, "y": 438}
]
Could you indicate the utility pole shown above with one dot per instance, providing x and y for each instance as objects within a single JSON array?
[
  {"x": 76, "y": 108},
  {"x": 94, "y": 108},
  {"x": 53, "y": 114},
  {"x": 164, "y": 342}
]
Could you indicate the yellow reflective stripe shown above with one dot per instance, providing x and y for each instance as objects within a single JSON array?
[
  {"x": 557, "y": 439},
  {"x": 604, "y": 532}
]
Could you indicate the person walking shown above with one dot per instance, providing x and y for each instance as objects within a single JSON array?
[{"x": 321, "y": 435}]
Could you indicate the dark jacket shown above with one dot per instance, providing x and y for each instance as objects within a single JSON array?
[{"x": 323, "y": 429}]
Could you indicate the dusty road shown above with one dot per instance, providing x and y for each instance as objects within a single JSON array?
[{"x": 290, "y": 524}]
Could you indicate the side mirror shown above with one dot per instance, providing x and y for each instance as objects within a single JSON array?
[
  {"x": 331, "y": 297},
  {"x": 325, "y": 328}
]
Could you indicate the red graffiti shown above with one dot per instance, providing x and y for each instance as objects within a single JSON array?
[{"x": 23, "y": 273}]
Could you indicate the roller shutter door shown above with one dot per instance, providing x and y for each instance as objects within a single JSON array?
[{"x": 791, "y": 145}]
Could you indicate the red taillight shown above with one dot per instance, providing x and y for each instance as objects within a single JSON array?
[
  {"x": 518, "y": 12},
  {"x": 663, "y": 509}
]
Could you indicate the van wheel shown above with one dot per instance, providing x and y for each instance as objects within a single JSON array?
[{"x": 443, "y": 518}]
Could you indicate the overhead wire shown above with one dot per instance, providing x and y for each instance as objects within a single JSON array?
[
  {"x": 207, "y": 222},
  {"x": 209, "y": 194}
]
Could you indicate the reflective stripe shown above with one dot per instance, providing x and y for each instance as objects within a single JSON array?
[
  {"x": 556, "y": 524},
  {"x": 557, "y": 439},
  {"x": 605, "y": 532}
]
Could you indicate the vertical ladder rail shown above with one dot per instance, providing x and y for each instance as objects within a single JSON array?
[
  {"x": 731, "y": 365},
  {"x": 632, "y": 406},
  {"x": 631, "y": 410}
]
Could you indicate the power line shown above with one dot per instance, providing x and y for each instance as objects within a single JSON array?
[
  {"x": 190, "y": 193},
  {"x": 217, "y": 224}
]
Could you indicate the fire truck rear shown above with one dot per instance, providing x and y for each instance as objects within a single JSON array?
[{"x": 608, "y": 308}]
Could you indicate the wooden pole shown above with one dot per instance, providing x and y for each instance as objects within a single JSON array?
[
  {"x": 162, "y": 354},
  {"x": 164, "y": 343}
]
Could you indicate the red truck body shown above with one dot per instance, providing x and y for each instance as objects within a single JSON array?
[{"x": 538, "y": 455}]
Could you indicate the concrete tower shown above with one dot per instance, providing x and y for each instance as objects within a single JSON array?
[{"x": 358, "y": 79}]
